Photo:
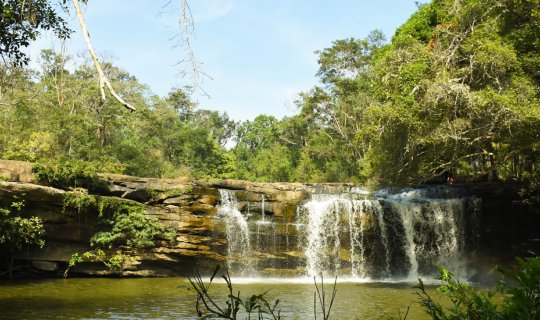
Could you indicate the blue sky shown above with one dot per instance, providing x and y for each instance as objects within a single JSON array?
[{"x": 260, "y": 53}]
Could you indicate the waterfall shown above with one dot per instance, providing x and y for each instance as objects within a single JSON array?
[
  {"x": 403, "y": 235},
  {"x": 435, "y": 229},
  {"x": 326, "y": 218},
  {"x": 322, "y": 234},
  {"x": 239, "y": 253},
  {"x": 356, "y": 235},
  {"x": 382, "y": 236}
]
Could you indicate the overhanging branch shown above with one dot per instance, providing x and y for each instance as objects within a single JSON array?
[{"x": 103, "y": 80}]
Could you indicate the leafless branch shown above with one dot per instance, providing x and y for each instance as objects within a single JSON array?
[
  {"x": 103, "y": 80},
  {"x": 190, "y": 67}
]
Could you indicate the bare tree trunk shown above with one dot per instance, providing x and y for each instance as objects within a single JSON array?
[{"x": 103, "y": 80}]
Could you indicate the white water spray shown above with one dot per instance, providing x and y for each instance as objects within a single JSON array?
[
  {"x": 409, "y": 235},
  {"x": 388, "y": 237},
  {"x": 239, "y": 254}
]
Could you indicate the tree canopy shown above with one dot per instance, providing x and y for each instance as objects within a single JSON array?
[{"x": 456, "y": 89}]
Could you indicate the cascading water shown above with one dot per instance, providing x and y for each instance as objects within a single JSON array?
[
  {"x": 330, "y": 218},
  {"x": 239, "y": 253},
  {"x": 436, "y": 230},
  {"x": 402, "y": 235},
  {"x": 356, "y": 234},
  {"x": 322, "y": 234}
]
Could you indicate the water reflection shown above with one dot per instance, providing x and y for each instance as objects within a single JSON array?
[{"x": 172, "y": 298}]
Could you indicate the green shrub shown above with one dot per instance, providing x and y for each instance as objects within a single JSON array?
[
  {"x": 467, "y": 302},
  {"x": 520, "y": 296},
  {"x": 127, "y": 224},
  {"x": 18, "y": 233},
  {"x": 79, "y": 199},
  {"x": 531, "y": 193},
  {"x": 123, "y": 223},
  {"x": 73, "y": 173},
  {"x": 113, "y": 260}
]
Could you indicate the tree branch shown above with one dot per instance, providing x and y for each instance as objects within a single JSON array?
[
  {"x": 103, "y": 80},
  {"x": 189, "y": 65}
]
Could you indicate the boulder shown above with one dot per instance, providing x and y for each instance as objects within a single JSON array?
[
  {"x": 243, "y": 195},
  {"x": 208, "y": 200},
  {"x": 151, "y": 190},
  {"x": 19, "y": 171},
  {"x": 281, "y": 209},
  {"x": 201, "y": 209},
  {"x": 32, "y": 192},
  {"x": 183, "y": 200},
  {"x": 45, "y": 265}
]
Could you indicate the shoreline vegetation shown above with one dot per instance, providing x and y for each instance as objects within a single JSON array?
[{"x": 517, "y": 296}]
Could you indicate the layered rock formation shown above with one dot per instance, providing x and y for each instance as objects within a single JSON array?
[{"x": 191, "y": 209}]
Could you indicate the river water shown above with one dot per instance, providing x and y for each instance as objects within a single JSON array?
[{"x": 173, "y": 298}]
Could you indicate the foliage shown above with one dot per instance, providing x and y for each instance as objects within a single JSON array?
[
  {"x": 70, "y": 173},
  {"x": 531, "y": 192},
  {"x": 466, "y": 302},
  {"x": 452, "y": 91},
  {"x": 520, "y": 296},
  {"x": 75, "y": 259},
  {"x": 79, "y": 198},
  {"x": 38, "y": 145},
  {"x": 126, "y": 224},
  {"x": 18, "y": 232},
  {"x": 123, "y": 223},
  {"x": 208, "y": 308},
  {"x": 52, "y": 118},
  {"x": 457, "y": 89},
  {"x": 114, "y": 261},
  {"x": 21, "y": 23}
]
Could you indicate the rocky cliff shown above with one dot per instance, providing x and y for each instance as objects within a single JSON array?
[{"x": 190, "y": 208}]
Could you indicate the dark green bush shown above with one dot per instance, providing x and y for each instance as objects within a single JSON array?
[
  {"x": 73, "y": 173},
  {"x": 518, "y": 291},
  {"x": 126, "y": 224}
]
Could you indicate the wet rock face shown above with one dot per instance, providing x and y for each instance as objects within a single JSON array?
[{"x": 275, "y": 199}]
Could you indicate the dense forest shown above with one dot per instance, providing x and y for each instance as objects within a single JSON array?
[{"x": 457, "y": 88}]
